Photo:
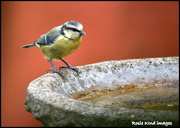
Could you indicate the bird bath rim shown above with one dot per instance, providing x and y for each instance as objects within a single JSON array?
[{"x": 51, "y": 92}]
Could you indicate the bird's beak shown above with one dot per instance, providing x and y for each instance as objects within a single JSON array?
[{"x": 82, "y": 32}]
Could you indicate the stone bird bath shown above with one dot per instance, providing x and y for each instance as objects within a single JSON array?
[{"x": 124, "y": 93}]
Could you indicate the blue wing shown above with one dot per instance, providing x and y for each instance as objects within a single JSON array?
[{"x": 50, "y": 37}]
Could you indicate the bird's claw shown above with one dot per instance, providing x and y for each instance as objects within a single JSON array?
[
  {"x": 70, "y": 67},
  {"x": 55, "y": 70}
]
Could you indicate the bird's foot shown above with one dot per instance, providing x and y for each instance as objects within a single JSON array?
[
  {"x": 56, "y": 71},
  {"x": 70, "y": 67}
]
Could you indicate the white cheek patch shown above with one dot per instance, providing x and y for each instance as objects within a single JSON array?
[
  {"x": 71, "y": 34},
  {"x": 76, "y": 34},
  {"x": 68, "y": 34}
]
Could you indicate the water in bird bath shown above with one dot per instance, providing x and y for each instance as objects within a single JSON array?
[{"x": 156, "y": 97}]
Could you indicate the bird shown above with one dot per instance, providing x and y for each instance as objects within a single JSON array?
[{"x": 59, "y": 42}]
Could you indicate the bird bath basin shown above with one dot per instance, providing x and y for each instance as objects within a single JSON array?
[{"x": 124, "y": 93}]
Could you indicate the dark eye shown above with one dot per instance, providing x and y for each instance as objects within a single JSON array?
[{"x": 73, "y": 29}]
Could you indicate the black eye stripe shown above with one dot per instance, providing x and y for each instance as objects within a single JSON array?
[
  {"x": 73, "y": 29},
  {"x": 68, "y": 28}
]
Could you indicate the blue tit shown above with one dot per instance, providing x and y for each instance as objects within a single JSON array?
[{"x": 60, "y": 42}]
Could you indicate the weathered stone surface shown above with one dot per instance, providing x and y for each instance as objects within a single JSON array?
[{"x": 48, "y": 99}]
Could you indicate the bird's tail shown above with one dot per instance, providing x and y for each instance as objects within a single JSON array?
[{"x": 29, "y": 45}]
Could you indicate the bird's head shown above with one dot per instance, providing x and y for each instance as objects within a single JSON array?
[{"x": 72, "y": 30}]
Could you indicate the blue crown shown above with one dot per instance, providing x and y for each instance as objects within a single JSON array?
[{"x": 73, "y": 23}]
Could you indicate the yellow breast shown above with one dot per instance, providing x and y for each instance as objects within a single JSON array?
[{"x": 61, "y": 48}]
